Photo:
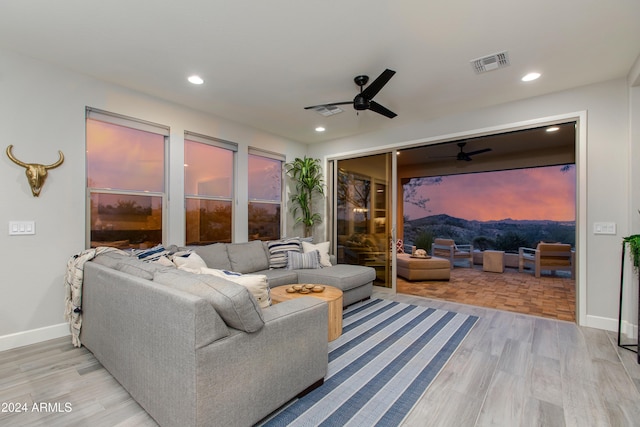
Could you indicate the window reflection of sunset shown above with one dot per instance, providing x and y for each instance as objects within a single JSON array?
[
  {"x": 209, "y": 170},
  {"x": 265, "y": 176},
  {"x": 208, "y": 187},
  {"x": 545, "y": 193},
  {"x": 265, "y": 195},
  {"x": 137, "y": 164}
]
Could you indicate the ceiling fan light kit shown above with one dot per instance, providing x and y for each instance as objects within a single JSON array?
[{"x": 363, "y": 100}]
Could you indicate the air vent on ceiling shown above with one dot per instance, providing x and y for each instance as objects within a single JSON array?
[
  {"x": 327, "y": 110},
  {"x": 491, "y": 62}
]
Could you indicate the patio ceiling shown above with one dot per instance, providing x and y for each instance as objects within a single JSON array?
[{"x": 510, "y": 150}]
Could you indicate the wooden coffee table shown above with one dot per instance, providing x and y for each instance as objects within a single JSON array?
[{"x": 333, "y": 297}]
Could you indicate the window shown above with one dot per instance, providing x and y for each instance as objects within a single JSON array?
[
  {"x": 208, "y": 189},
  {"x": 125, "y": 181},
  {"x": 265, "y": 194}
]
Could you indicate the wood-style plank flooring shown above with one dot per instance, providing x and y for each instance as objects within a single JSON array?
[
  {"x": 511, "y": 370},
  {"x": 552, "y": 296}
]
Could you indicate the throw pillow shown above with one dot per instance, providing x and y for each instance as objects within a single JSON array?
[
  {"x": 151, "y": 254},
  {"x": 278, "y": 251},
  {"x": 164, "y": 261},
  {"x": 301, "y": 261},
  {"x": 322, "y": 248},
  {"x": 257, "y": 284},
  {"x": 192, "y": 263}
]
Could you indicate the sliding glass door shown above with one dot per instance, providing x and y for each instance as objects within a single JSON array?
[{"x": 361, "y": 198}]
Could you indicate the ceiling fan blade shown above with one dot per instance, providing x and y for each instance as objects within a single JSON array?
[
  {"x": 473, "y": 153},
  {"x": 374, "y": 106},
  {"x": 328, "y": 105},
  {"x": 373, "y": 89}
]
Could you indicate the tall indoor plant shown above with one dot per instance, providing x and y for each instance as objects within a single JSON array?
[
  {"x": 307, "y": 175},
  {"x": 634, "y": 249}
]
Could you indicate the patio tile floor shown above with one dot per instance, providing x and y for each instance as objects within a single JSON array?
[{"x": 548, "y": 296}]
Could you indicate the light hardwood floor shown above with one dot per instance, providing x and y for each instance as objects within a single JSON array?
[{"x": 511, "y": 370}]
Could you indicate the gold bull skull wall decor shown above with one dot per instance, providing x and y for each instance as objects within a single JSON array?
[{"x": 36, "y": 173}]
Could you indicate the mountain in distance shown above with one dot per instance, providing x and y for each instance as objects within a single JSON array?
[
  {"x": 541, "y": 222},
  {"x": 525, "y": 232}
]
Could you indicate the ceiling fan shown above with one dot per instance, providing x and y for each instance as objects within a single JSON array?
[
  {"x": 364, "y": 100},
  {"x": 466, "y": 156}
]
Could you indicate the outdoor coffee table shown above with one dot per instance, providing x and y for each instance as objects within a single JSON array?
[
  {"x": 431, "y": 268},
  {"x": 333, "y": 297}
]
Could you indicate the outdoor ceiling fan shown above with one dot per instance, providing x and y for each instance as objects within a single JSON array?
[
  {"x": 364, "y": 100},
  {"x": 466, "y": 156}
]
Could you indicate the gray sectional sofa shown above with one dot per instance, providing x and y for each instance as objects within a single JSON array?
[{"x": 198, "y": 350}]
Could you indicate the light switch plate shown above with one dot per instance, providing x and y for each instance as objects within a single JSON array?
[
  {"x": 22, "y": 228},
  {"x": 604, "y": 228}
]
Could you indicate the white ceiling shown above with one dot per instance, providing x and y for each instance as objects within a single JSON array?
[{"x": 263, "y": 61}]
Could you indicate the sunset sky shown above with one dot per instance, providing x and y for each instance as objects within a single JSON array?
[{"x": 544, "y": 193}]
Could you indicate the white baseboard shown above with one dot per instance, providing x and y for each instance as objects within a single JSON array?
[
  {"x": 605, "y": 323},
  {"x": 629, "y": 330},
  {"x": 20, "y": 339}
]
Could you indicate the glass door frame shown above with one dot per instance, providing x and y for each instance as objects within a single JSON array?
[{"x": 332, "y": 206}]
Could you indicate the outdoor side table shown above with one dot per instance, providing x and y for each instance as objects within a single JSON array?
[{"x": 493, "y": 261}]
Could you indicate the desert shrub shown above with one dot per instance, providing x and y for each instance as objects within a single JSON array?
[
  {"x": 483, "y": 243},
  {"x": 511, "y": 241}
]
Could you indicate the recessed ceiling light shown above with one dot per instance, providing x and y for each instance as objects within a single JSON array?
[
  {"x": 320, "y": 129},
  {"x": 553, "y": 129},
  {"x": 531, "y": 77},
  {"x": 196, "y": 80}
]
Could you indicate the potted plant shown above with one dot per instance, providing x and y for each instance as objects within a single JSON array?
[
  {"x": 307, "y": 175},
  {"x": 634, "y": 249}
]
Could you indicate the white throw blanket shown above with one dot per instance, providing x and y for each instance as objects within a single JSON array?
[{"x": 73, "y": 280}]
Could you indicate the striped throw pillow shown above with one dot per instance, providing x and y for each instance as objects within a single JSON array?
[
  {"x": 278, "y": 251},
  {"x": 299, "y": 261},
  {"x": 151, "y": 254}
]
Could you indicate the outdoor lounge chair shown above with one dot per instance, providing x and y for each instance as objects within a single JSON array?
[
  {"x": 547, "y": 256},
  {"x": 447, "y": 249}
]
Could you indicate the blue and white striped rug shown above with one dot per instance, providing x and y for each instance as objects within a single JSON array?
[{"x": 383, "y": 362}]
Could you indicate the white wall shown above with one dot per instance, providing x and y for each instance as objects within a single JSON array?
[
  {"x": 607, "y": 149},
  {"x": 42, "y": 110}
]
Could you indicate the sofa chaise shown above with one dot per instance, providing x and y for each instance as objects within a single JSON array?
[{"x": 355, "y": 281}]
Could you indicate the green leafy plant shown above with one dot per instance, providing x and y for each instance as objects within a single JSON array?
[
  {"x": 634, "y": 249},
  {"x": 307, "y": 175}
]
